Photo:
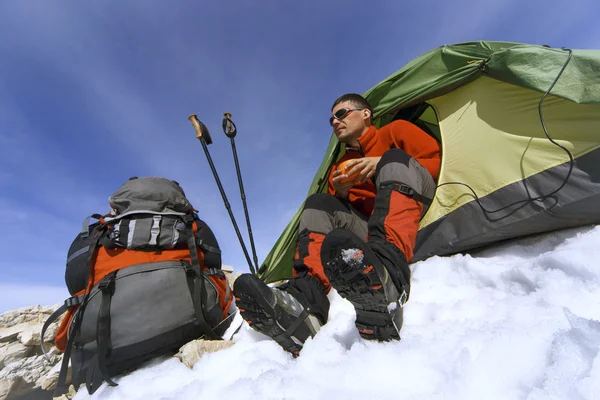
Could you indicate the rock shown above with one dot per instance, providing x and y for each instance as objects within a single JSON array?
[
  {"x": 11, "y": 352},
  {"x": 28, "y": 370},
  {"x": 67, "y": 396},
  {"x": 230, "y": 274},
  {"x": 191, "y": 352},
  {"x": 24, "y": 372},
  {"x": 28, "y": 333},
  {"x": 36, "y": 314},
  {"x": 227, "y": 268},
  {"x": 54, "y": 352},
  {"x": 26, "y": 324},
  {"x": 49, "y": 381},
  {"x": 6, "y": 335},
  {"x": 231, "y": 278},
  {"x": 12, "y": 386},
  {"x": 9, "y": 334},
  {"x": 29, "y": 336}
]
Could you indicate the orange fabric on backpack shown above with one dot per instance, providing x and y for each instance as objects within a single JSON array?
[
  {"x": 61, "y": 337},
  {"x": 221, "y": 284},
  {"x": 109, "y": 260}
]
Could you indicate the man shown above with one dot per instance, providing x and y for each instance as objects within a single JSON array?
[{"x": 358, "y": 238}]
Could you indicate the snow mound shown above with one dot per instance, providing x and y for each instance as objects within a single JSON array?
[{"x": 516, "y": 321}]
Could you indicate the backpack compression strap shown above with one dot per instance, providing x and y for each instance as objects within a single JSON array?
[
  {"x": 197, "y": 289},
  {"x": 106, "y": 286}
]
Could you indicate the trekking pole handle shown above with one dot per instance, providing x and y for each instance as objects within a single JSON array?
[
  {"x": 196, "y": 122},
  {"x": 201, "y": 129},
  {"x": 229, "y": 127}
]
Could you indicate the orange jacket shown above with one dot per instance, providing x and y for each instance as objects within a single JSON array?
[{"x": 397, "y": 134}]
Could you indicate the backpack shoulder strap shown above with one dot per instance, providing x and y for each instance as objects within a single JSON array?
[
  {"x": 206, "y": 240},
  {"x": 61, "y": 387}
]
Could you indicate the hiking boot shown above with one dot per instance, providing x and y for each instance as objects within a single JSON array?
[
  {"x": 274, "y": 312},
  {"x": 359, "y": 276}
]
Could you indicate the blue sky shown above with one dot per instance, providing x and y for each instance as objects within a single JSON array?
[{"x": 92, "y": 93}]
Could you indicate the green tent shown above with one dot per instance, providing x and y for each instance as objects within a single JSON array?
[{"x": 501, "y": 176}]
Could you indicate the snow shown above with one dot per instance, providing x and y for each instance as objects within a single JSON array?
[
  {"x": 392, "y": 306},
  {"x": 517, "y": 321},
  {"x": 352, "y": 256}
]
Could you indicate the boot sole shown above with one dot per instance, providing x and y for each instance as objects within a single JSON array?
[
  {"x": 252, "y": 300},
  {"x": 363, "y": 288}
]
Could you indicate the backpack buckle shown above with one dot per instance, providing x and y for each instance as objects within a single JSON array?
[
  {"x": 72, "y": 301},
  {"x": 189, "y": 270},
  {"x": 188, "y": 219},
  {"x": 404, "y": 189},
  {"x": 403, "y": 298},
  {"x": 107, "y": 282}
]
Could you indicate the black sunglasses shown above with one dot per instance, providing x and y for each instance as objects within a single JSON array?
[{"x": 341, "y": 114}]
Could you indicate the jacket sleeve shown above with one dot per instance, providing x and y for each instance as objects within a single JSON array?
[{"x": 416, "y": 143}]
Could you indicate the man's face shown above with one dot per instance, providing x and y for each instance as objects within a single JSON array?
[{"x": 352, "y": 125}]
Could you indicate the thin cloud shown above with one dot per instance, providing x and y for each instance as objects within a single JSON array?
[{"x": 13, "y": 296}]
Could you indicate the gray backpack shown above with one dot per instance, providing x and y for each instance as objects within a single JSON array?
[{"x": 145, "y": 279}]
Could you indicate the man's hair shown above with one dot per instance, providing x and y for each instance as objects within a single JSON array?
[{"x": 357, "y": 101}]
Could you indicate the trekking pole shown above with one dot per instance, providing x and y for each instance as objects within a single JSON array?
[
  {"x": 203, "y": 136},
  {"x": 230, "y": 131}
]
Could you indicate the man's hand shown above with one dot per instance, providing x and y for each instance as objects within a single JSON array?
[
  {"x": 366, "y": 167},
  {"x": 341, "y": 189}
]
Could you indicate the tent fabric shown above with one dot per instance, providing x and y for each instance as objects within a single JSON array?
[
  {"x": 475, "y": 115},
  {"x": 494, "y": 143},
  {"x": 451, "y": 68},
  {"x": 468, "y": 227}
]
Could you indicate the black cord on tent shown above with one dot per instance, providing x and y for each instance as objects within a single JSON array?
[{"x": 529, "y": 200}]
